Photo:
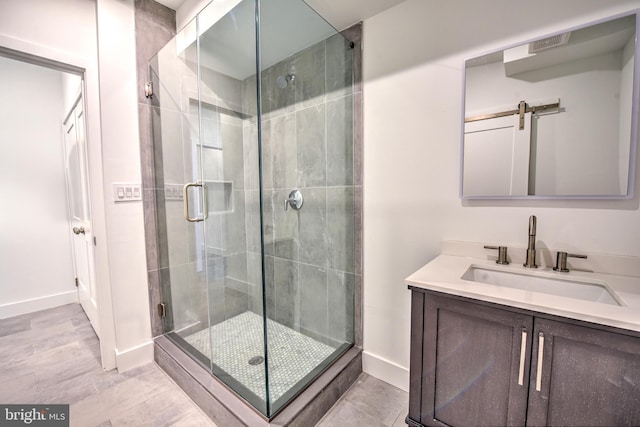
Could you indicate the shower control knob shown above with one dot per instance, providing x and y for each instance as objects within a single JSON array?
[{"x": 295, "y": 200}]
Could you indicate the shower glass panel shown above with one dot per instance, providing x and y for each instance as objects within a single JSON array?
[
  {"x": 307, "y": 145},
  {"x": 227, "y": 55},
  {"x": 254, "y": 102},
  {"x": 177, "y": 153}
]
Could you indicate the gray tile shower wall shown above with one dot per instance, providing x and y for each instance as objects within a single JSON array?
[{"x": 310, "y": 141}]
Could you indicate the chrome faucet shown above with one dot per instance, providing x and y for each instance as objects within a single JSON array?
[
  {"x": 530, "y": 261},
  {"x": 561, "y": 261}
]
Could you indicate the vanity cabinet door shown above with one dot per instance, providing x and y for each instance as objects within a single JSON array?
[
  {"x": 583, "y": 377},
  {"x": 475, "y": 364}
]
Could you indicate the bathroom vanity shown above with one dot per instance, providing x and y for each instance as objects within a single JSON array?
[{"x": 488, "y": 348}]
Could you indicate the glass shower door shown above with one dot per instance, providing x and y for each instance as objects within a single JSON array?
[
  {"x": 231, "y": 174},
  {"x": 253, "y": 142},
  {"x": 206, "y": 151},
  {"x": 180, "y": 195}
]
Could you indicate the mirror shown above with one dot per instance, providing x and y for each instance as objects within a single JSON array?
[{"x": 555, "y": 117}]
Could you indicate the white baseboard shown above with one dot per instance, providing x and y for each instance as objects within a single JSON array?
[
  {"x": 134, "y": 357},
  {"x": 385, "y": 370},
  {"x": 36, "y": 304}
]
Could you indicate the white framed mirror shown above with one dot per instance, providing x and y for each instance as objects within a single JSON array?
[{"x": 554, "y": 117}]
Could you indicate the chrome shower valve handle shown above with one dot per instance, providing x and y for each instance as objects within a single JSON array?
[{"x": 295, "y": 200}]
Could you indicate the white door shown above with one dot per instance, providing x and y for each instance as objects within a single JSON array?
[
  {"x": 496, "y": 157},
  {"x": 75, "y": 148}
]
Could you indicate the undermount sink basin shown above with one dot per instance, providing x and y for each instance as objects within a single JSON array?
[{"x": 543, "y": 284}]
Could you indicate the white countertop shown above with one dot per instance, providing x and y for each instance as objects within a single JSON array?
[{"x": 444, "y": 273}]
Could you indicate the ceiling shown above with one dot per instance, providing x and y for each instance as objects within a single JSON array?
[
  {"x": 343, "y": 13},
  {"x": 339, "y": 13},
  {"x": 227, "y": 37}
]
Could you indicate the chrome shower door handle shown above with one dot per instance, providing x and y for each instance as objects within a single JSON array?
[{"x": 185, "y": 192}]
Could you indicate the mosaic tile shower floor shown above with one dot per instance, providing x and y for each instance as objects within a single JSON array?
[{"x": 233, "y": 343}]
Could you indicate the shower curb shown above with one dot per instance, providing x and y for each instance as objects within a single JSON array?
[{"x": 226, "y": 408}]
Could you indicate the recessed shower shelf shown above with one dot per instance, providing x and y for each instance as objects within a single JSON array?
[{"x": 220, "y": 196}]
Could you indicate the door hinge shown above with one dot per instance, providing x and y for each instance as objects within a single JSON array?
[
  {"x": 162, "y": 310},
  {"x": 148, "y": 89},
  {"x": 76, "y": 282},
  {"x": 95, "y": 241}
]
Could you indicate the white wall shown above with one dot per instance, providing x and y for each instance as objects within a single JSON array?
[
  {"x": 121, "y": 160},
  {"x": 413, "y": 64},
  {"x": 36, "y": 266},
  {"x": 66, "y": 25}
]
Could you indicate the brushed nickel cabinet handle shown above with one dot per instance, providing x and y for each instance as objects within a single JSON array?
[
  {"x": 540, "y": 356},
  {"x": 523, "y": 351}
]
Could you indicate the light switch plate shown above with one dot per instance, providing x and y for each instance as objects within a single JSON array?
[
  {"x": 127, "y": 192},
  {"x": 173, "y": 191}
]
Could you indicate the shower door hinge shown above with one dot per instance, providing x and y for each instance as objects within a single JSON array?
[
  {"x": 162, "y": 310},
  {"x": 148, "y": 89},
  {"x": 76, "y": 282}
]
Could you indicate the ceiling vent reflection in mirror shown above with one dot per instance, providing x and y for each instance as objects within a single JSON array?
[{"x": 549, "y": 42}]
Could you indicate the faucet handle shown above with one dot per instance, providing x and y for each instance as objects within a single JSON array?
[
  {"x": 502, "y": 254},
  {"x": 561, "y": 261}
]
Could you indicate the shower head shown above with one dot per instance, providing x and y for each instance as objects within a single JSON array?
[{"x": 284, "y": 81}]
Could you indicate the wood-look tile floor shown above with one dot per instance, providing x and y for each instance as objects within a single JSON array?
[{"x": 53, "y": 356}]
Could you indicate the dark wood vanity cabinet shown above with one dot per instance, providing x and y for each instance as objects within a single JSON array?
[
  {"x": 589, "y": 377},
  {"x": 466, "y": 363},
  {"x": 476, "y": 364}
]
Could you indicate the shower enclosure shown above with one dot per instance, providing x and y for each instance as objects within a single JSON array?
[{"x": 254, "y": 176}]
